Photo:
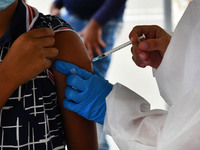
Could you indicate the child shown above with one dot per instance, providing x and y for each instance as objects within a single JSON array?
[{"x": 30, "y": 116}]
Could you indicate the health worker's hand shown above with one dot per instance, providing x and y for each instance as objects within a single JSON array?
[
  {"x": 149, "y": 52},
  {"x": 86, "y": 92}
]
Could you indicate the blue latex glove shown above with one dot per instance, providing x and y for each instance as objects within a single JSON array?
[{"x": 86, "y": 92}]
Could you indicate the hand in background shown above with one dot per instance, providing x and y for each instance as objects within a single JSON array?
[{"x": 92, "y": 35}]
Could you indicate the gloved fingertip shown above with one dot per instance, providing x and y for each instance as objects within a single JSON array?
[
  {"x": 65, "y": 67},
  {"x": 59, "y": 65},
  {"x": 67, "y": 104}
]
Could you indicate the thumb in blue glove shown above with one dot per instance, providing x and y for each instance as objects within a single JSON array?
[{"x": 86, "y": 92}]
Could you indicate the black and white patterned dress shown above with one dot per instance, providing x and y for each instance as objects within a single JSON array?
[{"x": 31, "y": 118}]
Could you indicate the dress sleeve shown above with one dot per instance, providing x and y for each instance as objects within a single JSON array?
[
  {"x": 59, "y": 25},
  {"x": 130, "y": 121}
]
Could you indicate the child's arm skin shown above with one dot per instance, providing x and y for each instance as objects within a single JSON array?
[{"x": 80, "y": 133}]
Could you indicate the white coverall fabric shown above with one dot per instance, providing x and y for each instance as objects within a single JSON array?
[{"x": 129, "y": 119}]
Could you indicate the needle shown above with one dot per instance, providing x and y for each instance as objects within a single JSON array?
[{"x": 116, "y": 49}]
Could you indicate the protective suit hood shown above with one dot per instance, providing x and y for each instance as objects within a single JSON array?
[
  {"x": 178, "y": 78},
  {"x": 179, "y": 71}
]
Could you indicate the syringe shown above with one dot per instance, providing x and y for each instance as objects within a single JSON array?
[{"x": 116, "y": 49}]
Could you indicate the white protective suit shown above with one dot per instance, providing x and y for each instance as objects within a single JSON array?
[{"x": 129, "y": 119}]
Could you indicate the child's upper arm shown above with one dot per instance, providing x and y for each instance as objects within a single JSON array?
[{"x": 80, "y": 133}]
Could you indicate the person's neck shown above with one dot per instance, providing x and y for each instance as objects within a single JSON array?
[{"x": 6, "y": 17}]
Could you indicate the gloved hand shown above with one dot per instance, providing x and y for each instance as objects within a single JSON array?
[{"x": 86, "y": 92}]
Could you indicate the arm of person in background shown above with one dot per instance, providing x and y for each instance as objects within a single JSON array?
[
  {"x": 149, "y": 52},
  {"x": 55, "y": 7},
  {"x": 80, "y": 133},
  {"x": 12, "y": 74},
  {"x": 92, "y": 33}
]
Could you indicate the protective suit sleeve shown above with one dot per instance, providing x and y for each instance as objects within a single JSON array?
[{"x": 130, "y": 121}]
